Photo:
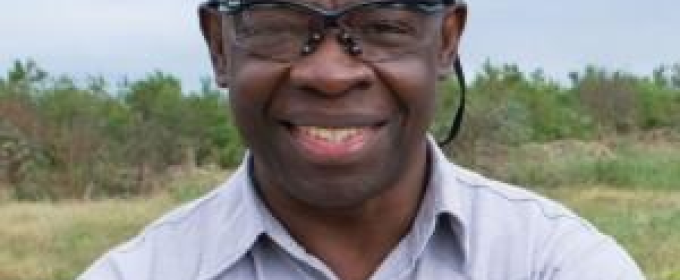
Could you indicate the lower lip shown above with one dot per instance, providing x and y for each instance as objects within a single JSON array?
[{"x": 322, "y": 150}]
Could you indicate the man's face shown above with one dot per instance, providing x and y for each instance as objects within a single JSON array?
[{"x": 330, "y": 129}]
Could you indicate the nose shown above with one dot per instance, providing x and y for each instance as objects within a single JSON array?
[{"x": 330, "y": 69}]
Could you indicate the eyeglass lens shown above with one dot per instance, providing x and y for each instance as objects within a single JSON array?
[{"x": 280, "y": 32}]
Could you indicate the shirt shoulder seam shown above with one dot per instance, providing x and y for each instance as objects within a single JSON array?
[{"x": 525, "y": 196}]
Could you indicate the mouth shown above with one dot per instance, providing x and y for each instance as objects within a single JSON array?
[{"x": 334, "y": 144}]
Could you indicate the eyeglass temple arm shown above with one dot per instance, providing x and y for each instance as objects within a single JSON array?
[{"x": 458, "y": 118}]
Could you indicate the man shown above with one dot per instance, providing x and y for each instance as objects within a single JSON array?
[{"x": 342, "y": 181}]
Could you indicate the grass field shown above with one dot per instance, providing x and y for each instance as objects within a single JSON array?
[
  {"x": 43, "y": 241},
  {"x": 57, "y": 241}
]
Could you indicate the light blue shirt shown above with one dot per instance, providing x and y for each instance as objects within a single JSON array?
[{"x": 468, "y": 227}]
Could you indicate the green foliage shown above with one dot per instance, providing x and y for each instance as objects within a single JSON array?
[
  {"x": 61, "y": 138},
  {"x": 508, "y": 107},
  {"x": 660, "y": 98},
  {"x": 64, "y": 139}
]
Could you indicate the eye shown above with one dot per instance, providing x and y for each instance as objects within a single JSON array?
[
  {"x": 385, "y": 27},
  {"x": 272, "y": 21},
  {"x": 262, "y": 29},
  {"x": 384, "y": 23}
]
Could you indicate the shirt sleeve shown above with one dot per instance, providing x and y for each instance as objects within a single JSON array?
[
  {"x": 103, "y": 269},
  {"x": 129, "y": 261},
  {"x": 588, "y": 257},
  {"x": 606, "y": 260}
]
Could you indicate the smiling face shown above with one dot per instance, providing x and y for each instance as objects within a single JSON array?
[{"x": 330, "y": 129}]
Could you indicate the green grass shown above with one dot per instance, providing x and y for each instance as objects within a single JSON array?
[
  {"x": 56, "y": 241},
  {"x": 628, "y": 189},
  {"x": 567, "y": 163}
]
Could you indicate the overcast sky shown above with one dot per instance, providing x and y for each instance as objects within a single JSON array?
[{"x": 117, "y": 38}]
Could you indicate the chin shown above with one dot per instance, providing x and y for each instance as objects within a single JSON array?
[{"x": 345, "y": 191}]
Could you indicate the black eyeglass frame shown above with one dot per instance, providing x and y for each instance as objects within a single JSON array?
[
  {"x": 330, "y": 18},
  {"x": 327, "y": 18},
  {"x": 236, "y": 6}
]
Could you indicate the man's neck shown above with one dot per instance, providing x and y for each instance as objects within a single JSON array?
[{"x": 353, "y": 241}]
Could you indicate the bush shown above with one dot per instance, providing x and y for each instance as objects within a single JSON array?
[{"x": 60, "y": 138}]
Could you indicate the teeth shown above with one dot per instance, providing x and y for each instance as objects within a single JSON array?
[{"x": 335, "y": 135}]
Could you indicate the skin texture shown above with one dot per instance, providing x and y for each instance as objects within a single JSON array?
[{"x": 349, "y": 212}]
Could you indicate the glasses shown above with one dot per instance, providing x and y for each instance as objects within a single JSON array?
[{"x": 373, "y": 31}]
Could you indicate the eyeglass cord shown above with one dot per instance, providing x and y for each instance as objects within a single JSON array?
[{"x": 458, "y": 118}]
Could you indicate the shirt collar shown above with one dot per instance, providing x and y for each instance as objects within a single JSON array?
[
  {"x": 445, "y": 199},
  {"x": 240, "y": 227}
]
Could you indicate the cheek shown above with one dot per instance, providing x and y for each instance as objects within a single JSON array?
[
  {"x": 413, "y": 84},
  {"x": 250, "y": 95},
  {"x": 254, "y": 82},
  {"x": 253, "y": 85}
]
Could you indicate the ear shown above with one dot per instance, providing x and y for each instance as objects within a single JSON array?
[
  {"x": 453, "y": 25},
  {"x": 211, "y": 27}
]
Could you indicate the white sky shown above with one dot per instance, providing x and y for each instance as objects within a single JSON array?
[{"x": 117, "y": 38}]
